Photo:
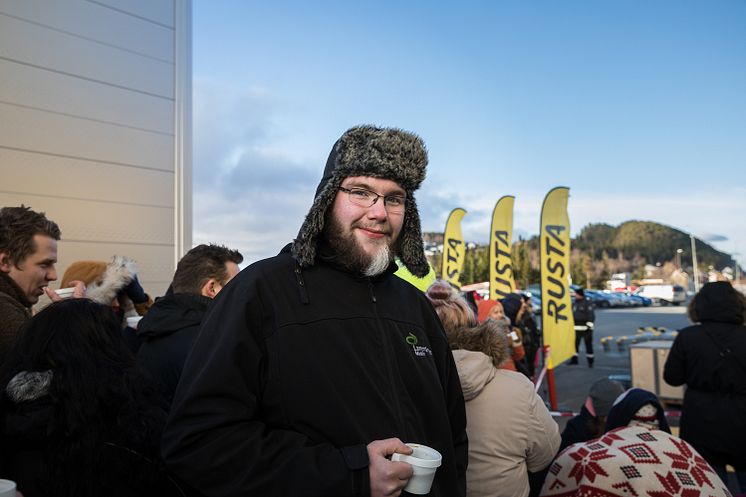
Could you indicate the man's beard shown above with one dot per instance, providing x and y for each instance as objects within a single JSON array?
[{"x": 350, "y": 255}]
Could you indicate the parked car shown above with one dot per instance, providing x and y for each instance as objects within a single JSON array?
[
  {"x": 641, "y": 300},
  {"x": 663, "y": 294},
  {"x": 600, "y": 299}
]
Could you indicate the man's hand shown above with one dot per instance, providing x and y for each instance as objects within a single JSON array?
[
  {"x": 387, "y": 478},
  {"x": 78, "y": 291}
]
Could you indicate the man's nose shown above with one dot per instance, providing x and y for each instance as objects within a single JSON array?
[
  {"x": 378, "y": 210},
  {"x": 52, "y": 274}
]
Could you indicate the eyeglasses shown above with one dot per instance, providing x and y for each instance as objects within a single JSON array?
[{"x": 395, "y": 204}]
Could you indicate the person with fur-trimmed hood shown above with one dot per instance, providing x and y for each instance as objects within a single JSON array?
[
  {"x": 112, "y": 283},
  {"x": 510, "y": 430},
  {"x": 312, "y": 367}
]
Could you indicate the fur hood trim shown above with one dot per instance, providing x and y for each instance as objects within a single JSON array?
[
  {"x": 388, "y": 153},
  {"x": 103, "y": 280},
  {"x": 29, "y": 385},
  {"x": 486, "y": 338}
]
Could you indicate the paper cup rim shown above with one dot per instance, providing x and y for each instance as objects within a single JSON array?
[
  {"x": 433, "y": 462},
  {"x": 10, "y": 484}
]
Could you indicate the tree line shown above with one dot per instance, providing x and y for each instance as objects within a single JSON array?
[{"x": 598, "y": 251}]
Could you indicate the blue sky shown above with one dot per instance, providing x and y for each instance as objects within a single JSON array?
[{"x": 638, "y": 107}]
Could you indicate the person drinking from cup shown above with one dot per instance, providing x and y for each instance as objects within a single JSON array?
[{"x": 28, "y": 254}]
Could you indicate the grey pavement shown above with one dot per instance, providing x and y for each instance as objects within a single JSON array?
[{"x": 573, "y": 382}]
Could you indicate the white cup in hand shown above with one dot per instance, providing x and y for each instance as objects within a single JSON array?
[
  {"x": 63, "y": 293},
  {"x": 7, "y": 488},
  {"x": 425, "y": 461}
]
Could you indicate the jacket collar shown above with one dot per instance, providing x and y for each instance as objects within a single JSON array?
[{"x": 11, "y": 288}]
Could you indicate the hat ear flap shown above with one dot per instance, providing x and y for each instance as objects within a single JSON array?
[
  {"x": 305, "y": 245},
  {"x": 411, "y": 250}
]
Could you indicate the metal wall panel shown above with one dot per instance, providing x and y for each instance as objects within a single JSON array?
[
  {"x": 35, "y": 130},
  {"x": 160, "y": 11},
  {"x": 28, "y": 173},
  {"x": 22, "y": 41},
  {"x": 97, "y": 22},
  {"x": 52, "y": 91}
]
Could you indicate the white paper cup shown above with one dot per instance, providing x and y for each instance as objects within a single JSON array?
[
  {"x": 425, "y": 461},
  {"x": 7, "y": 488},
  {"x": 133, "y": 320},
  {"x": 63, "y": 293}
]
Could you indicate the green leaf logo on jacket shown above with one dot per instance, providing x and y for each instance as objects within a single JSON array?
[{"x": 419, "y": 350}]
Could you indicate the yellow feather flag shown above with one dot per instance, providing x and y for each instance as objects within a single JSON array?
[
  {"x": 454, "y": 249},
  {"x": 501, "y": 241},
  {"x": 556, "y": 307}
]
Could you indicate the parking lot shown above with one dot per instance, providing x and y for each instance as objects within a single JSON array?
[{"x": 573, "y": 382}]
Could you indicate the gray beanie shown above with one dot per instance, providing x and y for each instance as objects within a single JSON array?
[
  {"x": 603, "y": 394},
  {"x": 387, "y": 153}
]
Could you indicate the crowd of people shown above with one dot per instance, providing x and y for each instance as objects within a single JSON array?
[{"x": 306, "y": 372}]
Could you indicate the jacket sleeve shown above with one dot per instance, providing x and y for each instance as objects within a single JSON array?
[
  {"x": 216, "y": 438},
  {"x": 543, "y": 435},
  {"x": 674, "y": 371}
]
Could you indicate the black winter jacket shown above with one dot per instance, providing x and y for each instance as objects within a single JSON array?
[
  {"x": 296, "y": 371},
  {"x": 578, "y": 429},
  {"x": 711, "y": 359},
  {"x": 582, "y": 312},
  {"x": 168, "y": 332}
]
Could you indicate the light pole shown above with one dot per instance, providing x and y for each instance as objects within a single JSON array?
[
  {"x": 678, "y": 258},
  {"x": 694, "y": 264},
  {"x": 738, "y": 275}
]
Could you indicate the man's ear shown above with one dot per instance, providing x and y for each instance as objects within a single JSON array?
[
  {"x": 4, "y": 262},
  {"x": 211, "y": 288}
]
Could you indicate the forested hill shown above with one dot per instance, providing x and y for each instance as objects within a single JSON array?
[{"x": 652, "y": 241}]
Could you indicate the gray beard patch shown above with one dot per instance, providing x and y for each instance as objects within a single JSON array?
[{"x": 379, "y": 263}]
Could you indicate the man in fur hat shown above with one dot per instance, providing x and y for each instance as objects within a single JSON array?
[{"x": 313, "y": 366}]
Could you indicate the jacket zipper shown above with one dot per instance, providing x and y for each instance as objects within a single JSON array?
[{"x": 388, "y": 353}]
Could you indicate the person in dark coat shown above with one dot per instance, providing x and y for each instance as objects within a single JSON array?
[
  {"x": 313, "y": 367},
  {"x": 168, "y": 330},
  {"x": 77, "y": 417},
  {"x": 591, "y": 420},
  {"x": 584, "y": 316},
  {"x": 587, "y": 425},
  {"x": 710, "y": 358}
]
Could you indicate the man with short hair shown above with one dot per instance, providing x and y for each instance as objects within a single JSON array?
[
  {"x": 28, "y": 253},
  {"x": 313, "y": 366},
  {"x": 171, "y": 325}
]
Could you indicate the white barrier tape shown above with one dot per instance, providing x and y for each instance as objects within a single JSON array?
[{"x": 567, "y": 414}]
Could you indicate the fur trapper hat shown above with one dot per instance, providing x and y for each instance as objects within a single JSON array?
[{"x": 387, "y": 153}]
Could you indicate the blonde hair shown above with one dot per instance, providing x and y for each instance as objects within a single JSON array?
[{"x": 452, "y": 308}]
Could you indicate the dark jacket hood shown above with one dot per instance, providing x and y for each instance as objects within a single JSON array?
[
  {"x": 718, "y": 301},
  {"x": 387, "y": 153},
  {"x": 173, "y": 313},
  {"x": 627, "y": 405}
]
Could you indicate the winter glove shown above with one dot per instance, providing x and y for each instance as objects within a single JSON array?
[
  {"x": 135, "y": 291},
  {"x": 589, "y": 324}
]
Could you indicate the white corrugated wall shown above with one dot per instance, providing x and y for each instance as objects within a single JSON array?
[{"x": 95, "y": 126}]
